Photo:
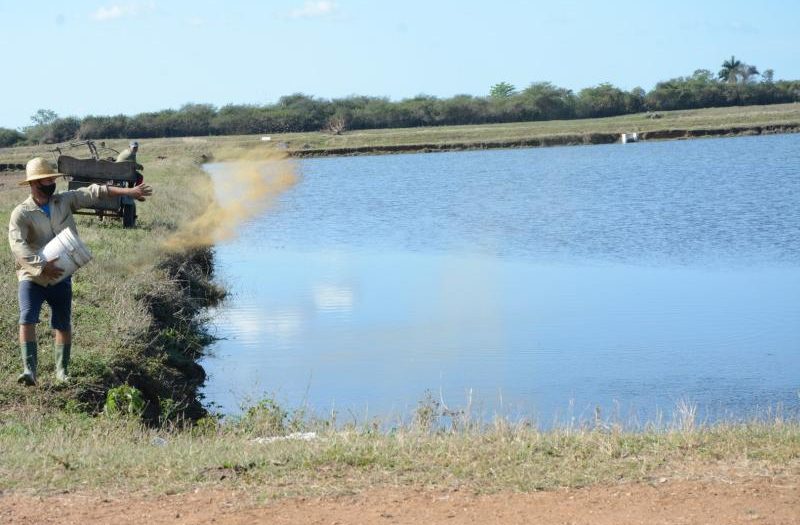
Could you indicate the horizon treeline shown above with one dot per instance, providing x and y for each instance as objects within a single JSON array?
[{"x": 737, "y": 84}]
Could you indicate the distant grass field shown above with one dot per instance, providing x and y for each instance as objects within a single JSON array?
[
  {"x": 713, "y": 118},
  {"x": 731, "y": 119},
  {"x": 53, "y": 438}
]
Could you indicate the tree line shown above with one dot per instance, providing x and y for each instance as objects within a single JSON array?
[{"x": 736, "y": 84}]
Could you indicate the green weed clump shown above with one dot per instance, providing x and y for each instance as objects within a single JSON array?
[{"x": 124, "y": 400}]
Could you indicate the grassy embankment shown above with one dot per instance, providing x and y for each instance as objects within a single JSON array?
[
  {"x": 135, "y": 320},
  {"x": 750, "y": 120},
  {"x": 135, "y": 305},
  {"x": 77, "y": 452}
]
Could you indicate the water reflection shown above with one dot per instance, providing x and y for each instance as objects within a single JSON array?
[{"x": 333, "y": 298}]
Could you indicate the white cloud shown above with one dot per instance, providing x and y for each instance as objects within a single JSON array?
[
  {"x": 112, "y": 12},
  {"x": 315, "y": 8}
]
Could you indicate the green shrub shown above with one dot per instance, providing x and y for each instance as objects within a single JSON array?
[
  {"x": 266, "y": 418},
  {"x": 124, "y": 400},
  {"x": 10, "y": 137}
]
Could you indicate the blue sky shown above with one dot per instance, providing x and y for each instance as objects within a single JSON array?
[{"x": 119, "y": 56}]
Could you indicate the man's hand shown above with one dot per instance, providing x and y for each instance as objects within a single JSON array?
[
  {"x": 140, "y": 192},
  {"x": 137, "y": 192},
  {"x": 51, "y": 271}
]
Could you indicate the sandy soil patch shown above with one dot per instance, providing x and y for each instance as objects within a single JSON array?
[{"x": 760, "y": 501}]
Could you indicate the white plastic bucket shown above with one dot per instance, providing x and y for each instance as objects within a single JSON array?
[{"x": 71, "y": 253}]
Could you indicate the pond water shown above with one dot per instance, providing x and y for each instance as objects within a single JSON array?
[{"x": 529, "y": 283}]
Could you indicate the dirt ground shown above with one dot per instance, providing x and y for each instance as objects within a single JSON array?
[{"x": 757, "y": 501}]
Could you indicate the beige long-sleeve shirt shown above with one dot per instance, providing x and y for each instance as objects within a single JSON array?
[{"x": 30, "y": 229}]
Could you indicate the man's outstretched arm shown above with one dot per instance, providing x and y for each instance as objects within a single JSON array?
[{"x": 137, "y": 192}]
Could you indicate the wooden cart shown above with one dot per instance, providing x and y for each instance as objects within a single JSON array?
[{"x": 83, "y": 172}]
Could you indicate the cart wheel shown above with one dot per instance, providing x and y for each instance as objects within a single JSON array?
[{"x": 128, "y": 215}]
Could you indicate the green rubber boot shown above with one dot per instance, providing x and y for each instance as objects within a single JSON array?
[
  {"x": 29, "y": 360},
  {"x": 62, "y": 362}
]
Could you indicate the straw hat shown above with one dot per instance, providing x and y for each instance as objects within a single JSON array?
[{"x": 38, "y": 168}]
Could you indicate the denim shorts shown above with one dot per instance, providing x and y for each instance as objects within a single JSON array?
[{"x": 58, "y": 296}]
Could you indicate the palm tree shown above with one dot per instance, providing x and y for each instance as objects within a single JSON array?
[
  {"x": 731, "y": 69},
  {"x": 748, "y": 72}
]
